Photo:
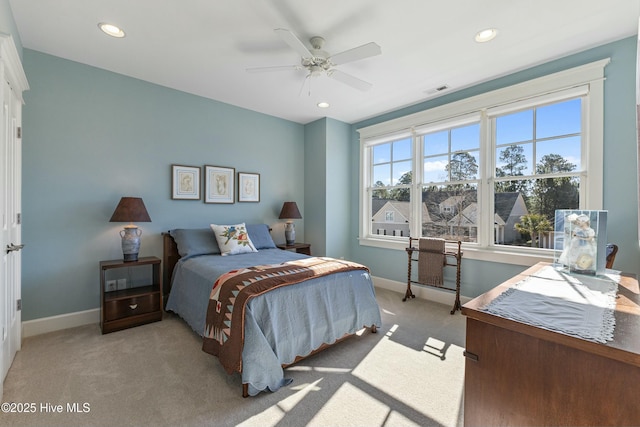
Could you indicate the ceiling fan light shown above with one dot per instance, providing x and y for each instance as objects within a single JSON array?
[
  {"x": 111, "y": 30},
  {"x": 486, "y": 35},
  {"x": 315, "y": 70}
]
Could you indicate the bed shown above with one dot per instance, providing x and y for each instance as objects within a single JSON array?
[{"x": 280, "y": 325}]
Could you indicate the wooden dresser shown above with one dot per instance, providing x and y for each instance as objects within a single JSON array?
[{"x": 518, "y": 374}]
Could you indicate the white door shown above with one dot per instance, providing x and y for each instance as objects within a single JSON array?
[
  {"x": 11, "y": 237},
  {"x": 12, "y": 82}
]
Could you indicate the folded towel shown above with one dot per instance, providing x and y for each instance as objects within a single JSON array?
[{"x": 431, "y": 261}]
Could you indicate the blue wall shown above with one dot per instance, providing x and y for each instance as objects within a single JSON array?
[
  {"x": 92, "y": 136},
  {"x": 620, "y": 167},
  {"x": 338, "y": 189},
  {"x": 327, "y": 187},
  {"x": 315, "y": 194}
]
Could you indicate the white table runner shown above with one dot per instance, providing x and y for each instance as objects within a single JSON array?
[{"x": 577, "y": 305}]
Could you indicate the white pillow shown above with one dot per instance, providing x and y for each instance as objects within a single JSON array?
[{"x": 233, "y": 239}]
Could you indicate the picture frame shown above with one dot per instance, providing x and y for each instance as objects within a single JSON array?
[
  {"x": 185, "y": 182},
  {"x": 248, "y": 187},
  {"x": 219, "y": 184}
]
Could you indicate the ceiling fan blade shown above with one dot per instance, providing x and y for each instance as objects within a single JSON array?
[
  {"x": 357, "y": 53},
  {"x": 350, "y": 80},
  {"x": 276, "y": 68},
  {"x": 294, "y": 42}
]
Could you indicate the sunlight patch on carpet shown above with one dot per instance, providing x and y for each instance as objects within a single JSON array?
[
  {"x": 415, "y": 378},
  {"x": 274, "y": 414},
  {"x": 361, "y": 406}
]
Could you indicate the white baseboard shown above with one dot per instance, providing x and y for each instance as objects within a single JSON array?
[
  {"x": 62, "y": 321},
  {"x": 80, "y": 318},
  {"x": 429, "y": 293}
]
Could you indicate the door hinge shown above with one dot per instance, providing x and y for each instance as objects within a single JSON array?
[
  {"x": 19, "y": 304},
  {"x": 19, "y": 218},
  {"x": 19, "y": 132}
]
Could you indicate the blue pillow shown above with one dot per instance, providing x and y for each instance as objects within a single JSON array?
[
  {"x": 260, "y": 236},
  {"x": 195, "y": 241}
]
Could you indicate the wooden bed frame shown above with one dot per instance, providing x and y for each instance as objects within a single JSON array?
[{"x": 170, "y": 258}]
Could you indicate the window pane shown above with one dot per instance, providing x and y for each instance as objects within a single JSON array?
[
  {"x": 463, "y": 166},
  {"x": 558, "y": 155},
  {"x": 465, "y": 138},
  {"x": 391, "y": 212},
  {"x": 563, "y": 118},
  {"x": 402, "y": 150},
  {"x": 382, "y": 175},
  {"x": 436, "y": 143},
  {"x": 525, "y": 217},
  {"x": 381, "y": 193},
  {"x": 435, "y": 169},
  {"x": 516, "y": 127},
  {"x": 514, "y": 160},
  {"x": 450, "y": 212},
  {"x": 382, "y": 153},
  {"x": 401, "y": 173}
]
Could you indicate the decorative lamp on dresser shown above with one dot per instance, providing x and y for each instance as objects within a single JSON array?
[
  {"x": 569, "y": 372},
  {"x": 127, "y": 306}
]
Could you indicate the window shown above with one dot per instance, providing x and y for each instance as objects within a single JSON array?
[
  {"x": 490, "y": 170},
  {"x": 391, "y": 166},
  {"x": 450, "y": 171},
  {"x": 538, "y": 154}
]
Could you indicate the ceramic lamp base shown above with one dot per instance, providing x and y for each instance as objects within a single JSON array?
[
  {"x": 290, "y": 233},
  {"x": 130, "y": 243}
]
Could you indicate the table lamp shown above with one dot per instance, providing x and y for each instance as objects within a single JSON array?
[
  {"x": 290, "y": 212},
  {"x": 130, "y": 209}
]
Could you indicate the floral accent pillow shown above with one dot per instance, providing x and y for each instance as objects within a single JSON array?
[{"x": 233, "y": 239}]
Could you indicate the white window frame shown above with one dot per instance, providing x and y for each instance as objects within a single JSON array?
[{"x": 588, "y": 77}]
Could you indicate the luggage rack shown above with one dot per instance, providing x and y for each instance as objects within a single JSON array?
[{"x": 449, "y": 256}]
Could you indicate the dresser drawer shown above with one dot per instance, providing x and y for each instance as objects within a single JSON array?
[{"x": 126, "y": 307}]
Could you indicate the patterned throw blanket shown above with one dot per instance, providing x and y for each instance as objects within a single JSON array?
[{"x": 224, "y": 328}]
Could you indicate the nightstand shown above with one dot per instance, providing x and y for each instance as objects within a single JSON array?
[
  {"x": 301, "y": 248},
  {"x": 132, "y": 306}
]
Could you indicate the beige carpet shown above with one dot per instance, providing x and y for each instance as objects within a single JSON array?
[{"x": 410, "y": 373}]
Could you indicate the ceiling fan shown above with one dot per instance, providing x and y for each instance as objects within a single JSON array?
[{"x": 318, "y": 62}]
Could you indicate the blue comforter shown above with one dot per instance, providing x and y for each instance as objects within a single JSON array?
[{"x": 281, "y": 324}]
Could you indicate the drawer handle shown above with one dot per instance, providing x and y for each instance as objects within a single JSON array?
[
  {"x": 470, "y": 356},
  {"x": 133, "y": 306}
]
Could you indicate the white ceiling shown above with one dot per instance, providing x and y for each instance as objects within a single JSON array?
[{"x": 203, "y": 47}]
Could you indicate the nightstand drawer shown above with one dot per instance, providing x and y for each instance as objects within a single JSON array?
[{"x": 117, "y": 309}]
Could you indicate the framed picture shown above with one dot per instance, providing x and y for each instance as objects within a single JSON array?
[
  {"x": 185, "y": 182},
  {"x": 248, "y": 187},
  {"x": 219, "y": 184}
]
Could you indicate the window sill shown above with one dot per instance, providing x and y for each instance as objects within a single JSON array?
[{"x": 504, "y": 255}]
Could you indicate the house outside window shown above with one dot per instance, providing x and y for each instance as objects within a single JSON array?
[{"x": 491, "y": 170}]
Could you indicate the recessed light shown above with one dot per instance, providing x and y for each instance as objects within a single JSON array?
[
  {"x": 323, "y": 104},
  {"x": 486, "y": 35},
  {"x": 111, "y": 30}
]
